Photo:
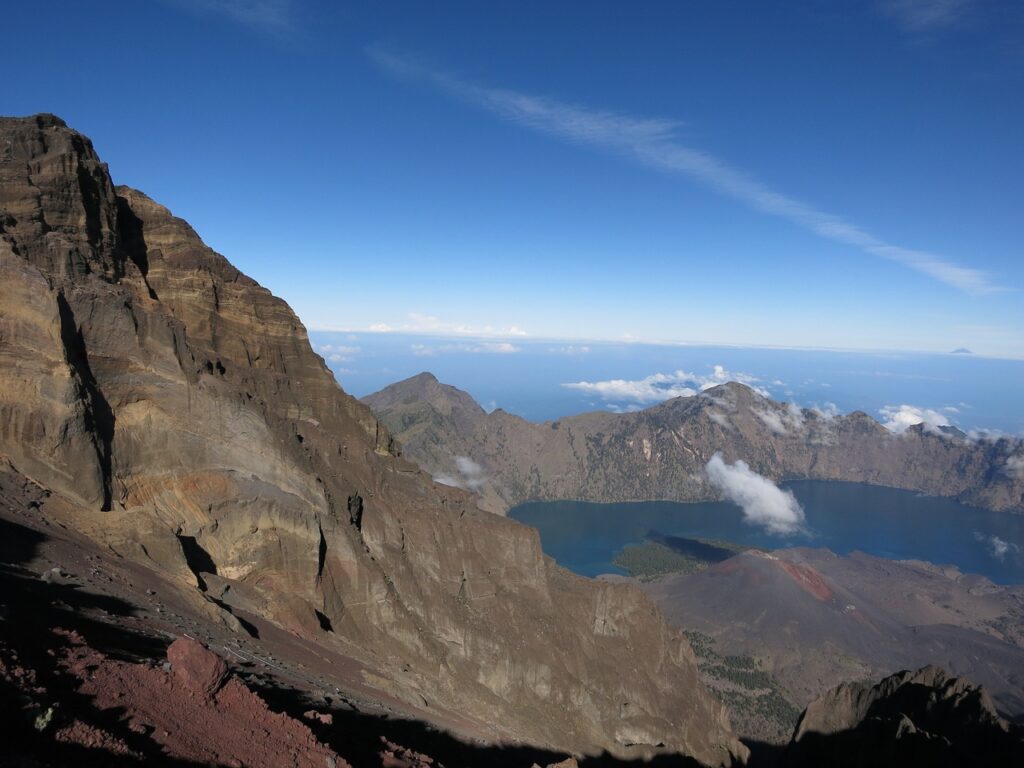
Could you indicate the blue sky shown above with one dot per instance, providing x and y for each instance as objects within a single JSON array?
[{"x": 818, "y": 174}]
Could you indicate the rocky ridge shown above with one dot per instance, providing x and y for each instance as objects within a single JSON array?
[
  {"x": 660, "y": 453},
  {"x": 176, "y": 411},
  {"x": 923, "y": 717}
]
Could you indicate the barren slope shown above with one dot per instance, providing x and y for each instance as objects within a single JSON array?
[
  {"x": 817, "y": 619},
  {"x": 177, "y": 409}
]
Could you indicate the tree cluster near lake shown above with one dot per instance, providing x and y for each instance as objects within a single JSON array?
[{"x": 663, "y": 555}]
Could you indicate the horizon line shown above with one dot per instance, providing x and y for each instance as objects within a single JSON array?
[{"x": 526, "y": 339}]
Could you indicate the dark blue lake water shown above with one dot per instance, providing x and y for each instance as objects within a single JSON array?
[{"x": 843, "y": 517}]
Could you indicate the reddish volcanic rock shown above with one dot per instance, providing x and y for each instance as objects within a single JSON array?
[
  {"x": 91, "y": 737},
  {"x": 196, "y": 667},
  {"x": 320, "y": 717},
  {"x": 234, "y": 726},
  {"x": 808, "y": 578},
  {"x": 396, "y": 756}
]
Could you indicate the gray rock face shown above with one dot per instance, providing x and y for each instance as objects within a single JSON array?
[
  {"x": 178, "y": 408},
  {"x": 927, "y": 717},
  {"x": 661, "y": 452}
]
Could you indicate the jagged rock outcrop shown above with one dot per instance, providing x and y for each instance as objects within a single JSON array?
[
  {"x": 660, "y": 453},
  {"x": 178, "y": 408},
  {"x": 927, "y": 717}
]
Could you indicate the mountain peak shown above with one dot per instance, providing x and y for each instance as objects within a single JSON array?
[
  {"x": 424, "y": 388},
  {"x": 426, "y": 378},
  {"x": 734, "y": 390}
]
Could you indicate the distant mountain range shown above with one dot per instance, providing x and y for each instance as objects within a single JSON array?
[{"x": 661, "y": 452}]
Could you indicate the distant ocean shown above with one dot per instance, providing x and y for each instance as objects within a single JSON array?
[{"x": 527, "y": 377}]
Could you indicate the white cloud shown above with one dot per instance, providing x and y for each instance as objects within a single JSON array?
[
  {"x": 720, "y": 419},
  {"x": 653, "y": 142},
  {"x": 650, "y": 389},
  {"x": 661, "y": 386},
  {"x": 616, "y": 408},
  {"x": 471, "y": 475},
  {"x": 571, "y": 349},
  {"x": 781, "y": 421},
  {"x": 795, "y": 415},
  {"x": 336, "y": 353},
  {"x": 1015, "y": 466},
  {"x": 828, "y": 411},
  {"x": 471, "y": 471},
  {"x": 898, "y": 418},
  {"x": 771, "y": 419},
  {"x": 764, "y": 503},
  {"x": 999, "y": 548}
]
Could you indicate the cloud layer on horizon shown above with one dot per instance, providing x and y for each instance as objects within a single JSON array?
[
  {"x": 479, "y": 347},
  {"x": 420, "y": 323},
  {"x": 653, "y": 142},
  {"x": 764, "y": 504},
  {"x": 662, "y": 386}
]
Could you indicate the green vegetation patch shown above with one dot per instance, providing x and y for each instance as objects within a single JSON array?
[
  {"x": 671, "y": 554},
  {"x": 757, "y": 704},
  {"x": 650, "y": 560}
]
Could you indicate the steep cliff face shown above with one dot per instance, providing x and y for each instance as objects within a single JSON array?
[
  {"x": 661, "y": 452},
  {"x": 179, "y": 406}
]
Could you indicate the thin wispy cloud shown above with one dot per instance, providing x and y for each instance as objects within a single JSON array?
[
  {"x": 925, "y": 15},
  {"x": 271, "y": 16},
  {"x": 655, "y": 143}
]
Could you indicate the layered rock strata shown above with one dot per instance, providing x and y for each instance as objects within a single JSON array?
[{"x": 178, "y": 407}]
